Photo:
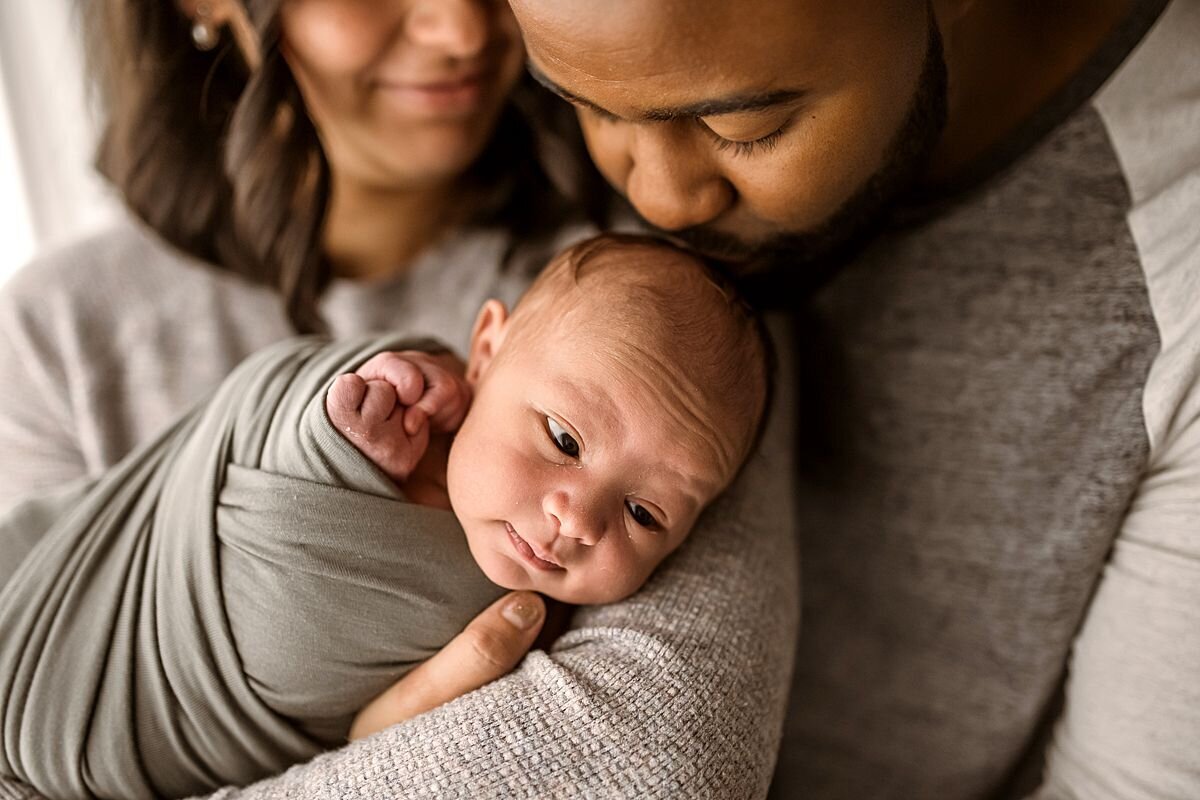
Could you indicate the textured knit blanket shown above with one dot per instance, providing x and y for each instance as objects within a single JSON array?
[{"x": 221, "y": 603}]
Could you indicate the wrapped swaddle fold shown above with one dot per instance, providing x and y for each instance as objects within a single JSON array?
[{"x": 220, "y": 604}]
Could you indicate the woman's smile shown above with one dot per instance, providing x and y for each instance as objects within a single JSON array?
[{"x": 455, "y": 96}]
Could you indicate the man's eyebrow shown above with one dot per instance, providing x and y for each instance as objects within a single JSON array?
[{"x": 755, "y": 101}]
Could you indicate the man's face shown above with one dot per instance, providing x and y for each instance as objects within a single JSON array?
[{"x": 747, "y": 126}]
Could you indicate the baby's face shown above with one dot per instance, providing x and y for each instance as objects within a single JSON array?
[{"x": 579, "y": 469}]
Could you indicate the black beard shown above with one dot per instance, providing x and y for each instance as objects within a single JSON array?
[{"x": 792, "y": 261}]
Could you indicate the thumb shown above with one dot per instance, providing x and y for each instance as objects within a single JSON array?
[{"x": 488, "y": 648}]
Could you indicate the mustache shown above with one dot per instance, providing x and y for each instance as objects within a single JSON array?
[{"x": 731, "y": 251}]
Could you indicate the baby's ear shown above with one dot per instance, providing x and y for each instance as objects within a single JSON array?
[{"x": 486, "y": 337}]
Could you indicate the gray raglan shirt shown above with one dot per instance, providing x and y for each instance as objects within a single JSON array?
[{"x": 1000, "y": 482}]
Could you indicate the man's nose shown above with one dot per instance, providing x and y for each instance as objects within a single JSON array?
[
  {"x": 458, "y": 27},
  {"x": 574, "y": 516},
  {"x": 671, "y": 183}
]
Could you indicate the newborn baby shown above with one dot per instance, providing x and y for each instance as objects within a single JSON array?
[
  {"x": 222, "y": 602},
  {"x": 618, "y": 399}
]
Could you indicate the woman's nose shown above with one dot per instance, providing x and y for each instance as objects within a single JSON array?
[
  {"x": 670, "y": 184},
  {"x": 459, "y": 28},
  {"x": 573, "y": 516}
]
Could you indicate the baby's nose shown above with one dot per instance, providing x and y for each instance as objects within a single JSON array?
[{"x": 573, "y": 517}]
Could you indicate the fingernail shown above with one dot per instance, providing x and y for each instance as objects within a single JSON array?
[{"x": 522, "y": 611}]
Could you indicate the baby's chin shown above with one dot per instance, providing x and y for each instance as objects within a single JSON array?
[
  {"x": 504, "y": 571},
  {"x": 509, "y": 575}
]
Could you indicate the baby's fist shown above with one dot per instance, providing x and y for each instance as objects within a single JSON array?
[{"x": 368, "y": 413}]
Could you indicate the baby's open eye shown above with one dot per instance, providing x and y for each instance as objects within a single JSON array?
[
  {"x": 641, "y": 516},
  {"x": 562, "y": 440}
]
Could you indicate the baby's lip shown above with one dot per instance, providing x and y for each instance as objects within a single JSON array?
[{"x": 530, "y": 552}]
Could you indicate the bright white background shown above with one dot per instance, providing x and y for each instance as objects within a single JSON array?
[{"x": 49, "y": 192}]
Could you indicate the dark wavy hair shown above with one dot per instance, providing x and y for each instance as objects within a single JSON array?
[{"x": 223, "y": 161}]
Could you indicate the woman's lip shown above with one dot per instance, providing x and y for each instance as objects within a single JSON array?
[
  {"x": 447, "y": 97},
  {"x": 445, "y": 81},
  {"x": 525, "y": 550}
]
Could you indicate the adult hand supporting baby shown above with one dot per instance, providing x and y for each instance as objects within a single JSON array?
[{"x": 488, "y": 648}]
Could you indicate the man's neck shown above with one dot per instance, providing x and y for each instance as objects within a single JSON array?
[
  {"x": 1006, "y": 59},
  {"x": 373, "y": 234}
]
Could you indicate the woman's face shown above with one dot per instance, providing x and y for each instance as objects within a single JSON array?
[{"x": 404, "y": 93}]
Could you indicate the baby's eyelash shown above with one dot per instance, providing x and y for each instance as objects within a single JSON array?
[
  {"x": 761, "y": 144},
  {"x": 563, "y": 440},
  {"x": 645, "y": 519}
]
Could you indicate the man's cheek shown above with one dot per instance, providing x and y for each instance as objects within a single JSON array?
[{"x": 607, "y": 148}]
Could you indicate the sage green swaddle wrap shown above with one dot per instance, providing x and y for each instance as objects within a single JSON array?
[{"x": 221, "y": 603}]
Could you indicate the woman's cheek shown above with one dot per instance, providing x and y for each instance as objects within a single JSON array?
[{"x": 330, "y": 37}]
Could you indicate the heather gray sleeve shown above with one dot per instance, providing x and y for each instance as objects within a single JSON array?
[
  {"x": 39, "y": 444},
  {"x": 1131, "y": 725},
  {"x": 95, "y": 357},
  {"x": 677, "y": 692}
]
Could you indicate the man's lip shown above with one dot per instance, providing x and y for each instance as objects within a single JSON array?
[{"x": 527, "y": 551}]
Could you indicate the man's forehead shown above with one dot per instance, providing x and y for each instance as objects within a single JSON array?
[
  {"x": 616, "y": 51},
  {"x": 591, "y": 47},
  {"x": 619, "y": 28},
  {"x": 713, "y": 101}
]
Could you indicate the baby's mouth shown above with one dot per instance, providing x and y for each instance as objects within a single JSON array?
[{"x": 526, "y": 551}]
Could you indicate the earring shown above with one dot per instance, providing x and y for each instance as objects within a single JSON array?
[{"x": 204, "y": 33}]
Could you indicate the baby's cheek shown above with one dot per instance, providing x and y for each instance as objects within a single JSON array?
[
  {"x": 622, "y": 578},
  {"x": 462, "y": 474},
  {"x": 646, "y": 561},
  {"x": 499, "y": 570}
]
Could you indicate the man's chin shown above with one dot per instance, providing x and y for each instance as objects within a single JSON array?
[
  {"x": 751, "y": 258},
  {"x": 775, "y": 271}
]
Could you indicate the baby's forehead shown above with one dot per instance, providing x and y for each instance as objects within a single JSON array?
[
  {"x": 619, "y": 411},
  {"x": 646, "y": 292},
  {"x": 649, "y": 314}
]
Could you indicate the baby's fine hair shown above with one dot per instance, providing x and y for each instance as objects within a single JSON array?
[{"x": 652, "y": 289}]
